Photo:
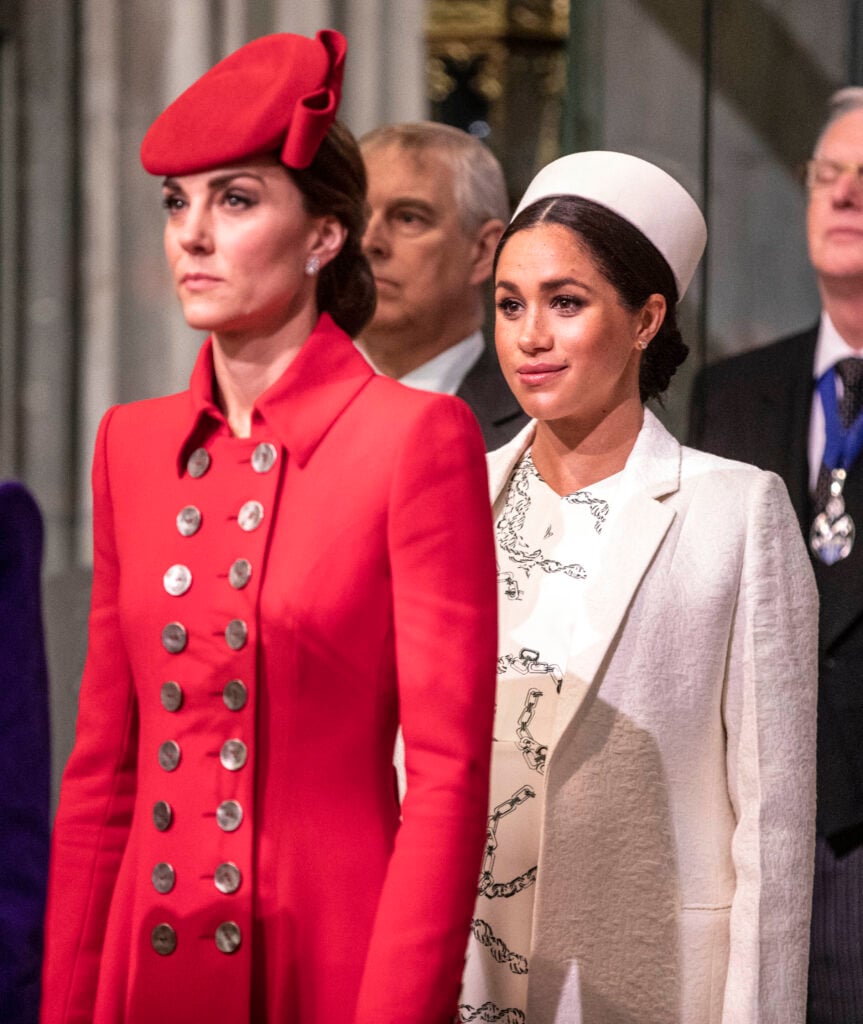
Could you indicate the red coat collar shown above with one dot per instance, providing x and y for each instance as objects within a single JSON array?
[{"x": 299, "y": 408}]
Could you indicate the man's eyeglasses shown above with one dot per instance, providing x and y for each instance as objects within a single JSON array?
[{"x": 820, "y": 172}]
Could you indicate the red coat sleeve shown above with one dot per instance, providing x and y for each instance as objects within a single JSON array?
[
  {"x": 445, "y": 620},
  {"x": 98, "y": 787}
]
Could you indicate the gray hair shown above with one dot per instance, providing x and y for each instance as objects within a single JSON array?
[
  {"x": 842, "y": 102},
  {"x": 478, "y": 182}
]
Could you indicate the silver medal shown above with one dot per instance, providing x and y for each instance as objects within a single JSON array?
[{"x": 832, "y": 535}]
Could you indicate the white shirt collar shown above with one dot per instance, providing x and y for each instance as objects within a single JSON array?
[
  {"x": 830, "y": 347},
  {"x": 446, "y": 371}
]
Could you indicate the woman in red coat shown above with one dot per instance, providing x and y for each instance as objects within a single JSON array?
[{"x": 291, "y": 558}]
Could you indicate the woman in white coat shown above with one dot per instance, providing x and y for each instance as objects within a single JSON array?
[{"x": 650, "y": 835}]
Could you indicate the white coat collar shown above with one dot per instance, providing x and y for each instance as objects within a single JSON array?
[
  {"x": 653, "y": 466},
  {"x": 637, "y": 529}
]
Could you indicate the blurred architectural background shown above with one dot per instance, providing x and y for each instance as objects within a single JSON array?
[{"x": 725, "y": 95}]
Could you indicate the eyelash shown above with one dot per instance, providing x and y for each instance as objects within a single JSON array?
[
  {"x": 567, "y": 303},
  {"x": 173, "y": 203},
  {"x": 508, "y": 307},
  {"x": 235, "y": 199}
]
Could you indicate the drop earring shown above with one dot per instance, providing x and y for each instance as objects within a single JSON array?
[{"x": 313, "y": 265}]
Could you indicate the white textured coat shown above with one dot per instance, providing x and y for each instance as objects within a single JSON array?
[{"x": 676, "y": 853}]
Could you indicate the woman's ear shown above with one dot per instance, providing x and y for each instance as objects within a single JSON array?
[
  {"x": 328, "y": 239},
  {"x": 650, "y": 318}
]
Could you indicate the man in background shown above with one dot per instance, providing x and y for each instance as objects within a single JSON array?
[
  {"x": 438, "y": 207},
  {"x": 794, "y": 407}
]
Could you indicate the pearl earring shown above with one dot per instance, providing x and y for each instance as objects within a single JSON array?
[
  {"x": 313, "y": 265},
  {"x": 641, "y": 343}
]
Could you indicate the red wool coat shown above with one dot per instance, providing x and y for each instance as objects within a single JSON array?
[{"x": 265, "y": 611}]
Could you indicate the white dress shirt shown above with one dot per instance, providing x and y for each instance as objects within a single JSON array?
[
  {"x": 829, "y": 349},
  {"x": 446, "y": 371}
]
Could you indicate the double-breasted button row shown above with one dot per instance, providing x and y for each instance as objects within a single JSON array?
[
  {"x": 178, "y": 578},
  {"x": 229, "y": 815},
  {"x": 227, "y": 878},
  {"x": 263, "y": 459},
  {"x": 228, "y": 938},
  {"x": 175, "y": 636},
  {"x": 233, "y": 755},
  {"x": 235, "y": 695}
]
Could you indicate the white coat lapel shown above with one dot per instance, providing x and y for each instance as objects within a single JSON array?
[{"x": 635, "y": 532}]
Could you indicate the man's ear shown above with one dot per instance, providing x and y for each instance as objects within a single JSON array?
[{"x": 487, "y": 238}]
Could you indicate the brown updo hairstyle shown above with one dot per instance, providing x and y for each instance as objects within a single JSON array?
[
  {"x": 335, "y": 183},
  {"x": 630, "y": 263}
]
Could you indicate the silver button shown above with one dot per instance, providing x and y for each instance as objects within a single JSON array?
[
  {"x": 236, "y": 633},
  {"x": 199, "y": 462},
  {"x": 164, "y": 939},
  {"x": 174, "y": 637},
  {"x": 229, "y": 815},
  {"x": 228, "y": 937},
  {"x": 169, "y": 755},
  {"x": 171, "y": 696},
  {"x": 163, "y": 878},
  {"x": 233, "y": 755},
  {"x": 177, "y": 580},
  {"x": 188, "y": 520},
  {"x": 227, "y": 878},
  {"x": 235, "y": 695},
  {"x": 162, "y": 815},
  {"x": 250, "y": 516},
  {"x": 240, "y": 573},
  {"x": 264, "y": 457}
]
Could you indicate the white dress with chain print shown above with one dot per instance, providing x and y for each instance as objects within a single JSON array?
[{"x": 547, "y": 549}]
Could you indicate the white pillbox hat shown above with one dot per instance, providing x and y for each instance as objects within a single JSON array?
[{"x": 639, "y": 192}]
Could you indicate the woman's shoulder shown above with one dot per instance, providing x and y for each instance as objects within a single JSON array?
[
  {"x": 727, "y": 482},
  {"x": 695, "y": 461},
  {"x": 400, "y": 406},
  {"x": 144, "y": 421}
]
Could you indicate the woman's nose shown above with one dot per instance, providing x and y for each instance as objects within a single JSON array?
[
  {"x": 534, "y": 334},
  {"x": 196, "y": 230}
]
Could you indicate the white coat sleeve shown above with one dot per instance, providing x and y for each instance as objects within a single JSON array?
[{"x": 770, "y": 717}]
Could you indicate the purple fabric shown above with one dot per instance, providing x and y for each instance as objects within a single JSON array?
[{"x": 24, "y": 756}]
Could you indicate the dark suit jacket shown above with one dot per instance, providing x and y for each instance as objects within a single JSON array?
[
  {"x": 756, "y": 408},
  {"x": 494, "y": 405}
]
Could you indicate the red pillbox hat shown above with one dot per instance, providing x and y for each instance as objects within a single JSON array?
[{"x": 278, "y": 94}]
